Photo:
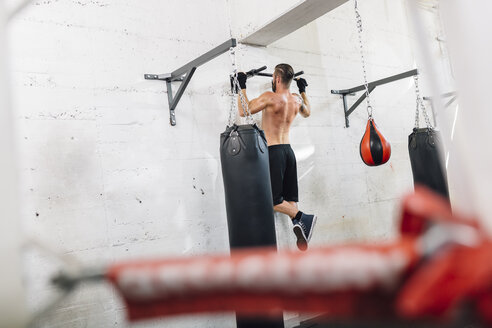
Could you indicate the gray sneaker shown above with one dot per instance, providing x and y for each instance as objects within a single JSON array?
[{"x": 303, "y": 229}]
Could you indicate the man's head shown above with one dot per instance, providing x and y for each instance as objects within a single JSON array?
[{"x": 283, "y": 74}]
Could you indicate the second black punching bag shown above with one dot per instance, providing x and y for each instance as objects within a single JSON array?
[
  {"x": 424, "y": 147},
  {"x": 248, "y": 196}
]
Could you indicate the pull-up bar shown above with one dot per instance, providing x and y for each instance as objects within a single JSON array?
[
  {"x": 258, "y": 72},
  {"x": 184, "y": 74},
  {"x": 371, "y": 87}
]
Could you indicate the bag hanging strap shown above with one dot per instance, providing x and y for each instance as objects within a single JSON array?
[{"x": 235, "y": 86}]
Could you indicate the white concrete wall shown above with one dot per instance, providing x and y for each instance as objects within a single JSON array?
[
  {"x": 104, "y": 176},
  {"x": 12, "y": 302}
]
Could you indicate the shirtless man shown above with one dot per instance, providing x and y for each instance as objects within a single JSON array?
[{"x": 280, "y": 107}]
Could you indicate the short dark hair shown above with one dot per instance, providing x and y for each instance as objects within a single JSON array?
[{"x": 286, "y": 73}]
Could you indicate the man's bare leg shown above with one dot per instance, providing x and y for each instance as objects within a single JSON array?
[
  {"x": 289, "y": 208},
  {"x": 294, "y": 204}
]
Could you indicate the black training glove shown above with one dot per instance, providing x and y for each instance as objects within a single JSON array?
[
  {"x": 301, "y": 84},
  {"x": 241, "y": 78}
]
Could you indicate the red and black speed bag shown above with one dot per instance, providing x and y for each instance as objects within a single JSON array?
[{"x": 374, "y": 148}]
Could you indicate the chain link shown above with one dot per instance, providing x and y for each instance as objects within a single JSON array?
[
  {"x": 235, "y": 86},
  {"x": 361, "y": 48},
  {"x": 232, "y": 110},
  {"x": 417, "y": 100},
  {"x": 420, "y": 103}
]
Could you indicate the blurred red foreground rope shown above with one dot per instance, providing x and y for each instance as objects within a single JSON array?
[{"x": 415, "y": 277}]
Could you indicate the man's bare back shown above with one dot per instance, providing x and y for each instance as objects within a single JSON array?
[
  {"x": 278, "y": 116},
  {"x": 279, "y": 111}
]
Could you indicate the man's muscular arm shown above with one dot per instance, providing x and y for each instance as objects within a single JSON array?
[
  {"x": 255, "y": 105},
  {"x": 305, "y": 108}
]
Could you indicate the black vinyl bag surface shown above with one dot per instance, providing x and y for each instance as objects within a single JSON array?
[
  {"x": 424, "y": 147},
  {"x": 248, "y": 193}
]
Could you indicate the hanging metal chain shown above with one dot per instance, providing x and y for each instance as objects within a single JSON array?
[
  {"x": 361, "y": 48},
  {"x": 235, "y": 86},
  {"x": 232, "y": 110},
  {"x": 417, "y": 100},
  {"x": 420, "y": 103}
]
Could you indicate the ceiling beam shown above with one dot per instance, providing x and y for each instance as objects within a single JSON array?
[{"x": 291, "y": 20}]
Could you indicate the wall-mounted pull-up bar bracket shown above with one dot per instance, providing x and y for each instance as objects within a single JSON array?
[
  {"x": 184, "y": 75},
  {"x": 162, "y": 77},
  {"x": 453, "y": 95},
  {"x": 372, "y": 85}
]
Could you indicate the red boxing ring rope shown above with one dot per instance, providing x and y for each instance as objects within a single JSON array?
[{"x": 440, "y": 260}]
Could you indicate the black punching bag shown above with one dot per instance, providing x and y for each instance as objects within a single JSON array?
[
  {"x": 424, "y": 148},
  {"x": 248, "y": 193},
  {"x": 248, "y": 196}
]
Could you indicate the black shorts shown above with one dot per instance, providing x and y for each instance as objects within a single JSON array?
[{"x": 283, "y": 173}]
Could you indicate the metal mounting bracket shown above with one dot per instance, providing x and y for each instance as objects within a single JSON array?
[
  {"x": 453, "y": 95},
  {"x": 184, "y": 75},
  {"x": 372, "y": 85}
]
